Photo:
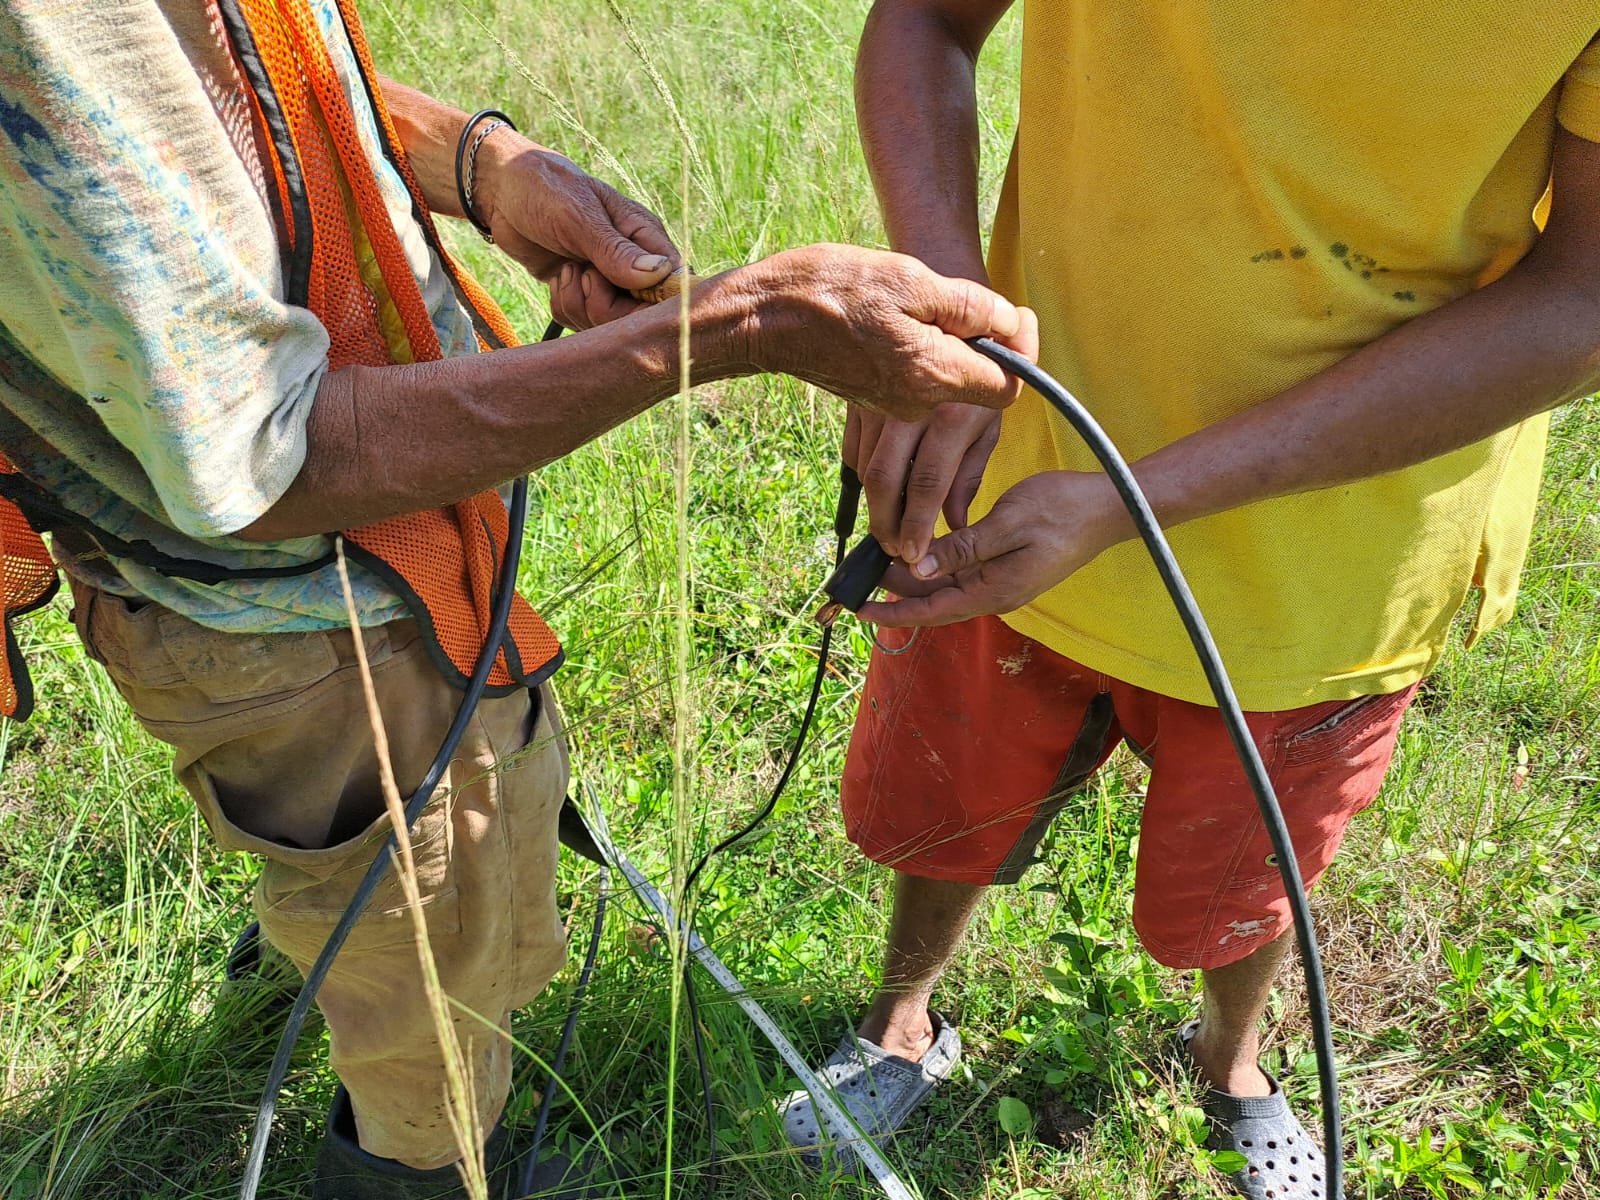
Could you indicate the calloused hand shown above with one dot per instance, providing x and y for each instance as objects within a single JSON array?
[
  {"x": 1038, "y": 533},
  {"x": 579, "y": 235},
  {"x": 881, "y": 329},
  {"x": 911, "y": 471}
]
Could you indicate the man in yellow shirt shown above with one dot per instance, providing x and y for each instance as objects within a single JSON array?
[{"x": 1289, "y": 256}]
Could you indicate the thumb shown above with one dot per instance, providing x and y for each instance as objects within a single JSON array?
[
  {"x": 962, "y": 549},
  {"x": 966, "y": 309},
  {"x": 624, "y": 262},
  {"x": 626, "y": 241}
]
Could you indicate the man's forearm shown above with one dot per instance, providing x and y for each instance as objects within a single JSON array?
[
  {"x": 871, "y": 327},
  {"x": 429, "y": 131},
  {"x": 917, "y": 109},
  {"x": 383, "y": 441},
  {"x": 1443, "y": 381}
]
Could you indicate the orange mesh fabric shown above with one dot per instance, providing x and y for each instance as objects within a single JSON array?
[
  {"x": 409, "y": 547},
  {"x": 28, "y": 579},
  {"x": 477, "y": 299},
  {"x": 333, "y": 165},
  {"x": 361, "y": 287}
]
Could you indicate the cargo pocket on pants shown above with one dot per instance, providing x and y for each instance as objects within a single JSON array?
[
  {"x": 301, "y": 894},
  {"x": 522, "y": 868}
]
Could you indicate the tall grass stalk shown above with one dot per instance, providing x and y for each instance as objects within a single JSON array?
[
  {"x": 461, "y": 1106},
  {"x": 685, "y": 720},
  {"x": 131, "y": 1069}
]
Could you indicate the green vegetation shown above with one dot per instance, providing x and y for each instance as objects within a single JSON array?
[{"x": 1460, "y": 925}]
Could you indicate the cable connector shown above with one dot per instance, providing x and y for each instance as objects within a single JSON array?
[
  {"x": 857, "y": 574},
  {"x": 854, "y": 580},
  {"x": 845, "y": 512}
]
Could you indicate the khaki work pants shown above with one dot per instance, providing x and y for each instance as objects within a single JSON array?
[{"x": 273, "y": 740}]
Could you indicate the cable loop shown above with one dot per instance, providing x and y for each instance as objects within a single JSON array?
[
  {"x": 1133, "y": 498},
  {"x": 891, "y": 651}
]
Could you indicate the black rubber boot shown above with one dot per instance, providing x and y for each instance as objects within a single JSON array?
[{"x": 347, "y": 1172}]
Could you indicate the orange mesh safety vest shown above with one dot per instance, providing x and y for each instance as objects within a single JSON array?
[
  {"x": 344, "y": 261},
  {"x": 28, "y": 577}
]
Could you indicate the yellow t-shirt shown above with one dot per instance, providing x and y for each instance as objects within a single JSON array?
[{"x": 1212, "y": 200}]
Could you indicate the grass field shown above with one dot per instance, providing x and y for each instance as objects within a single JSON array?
[{"x": 1460, "y": 926}]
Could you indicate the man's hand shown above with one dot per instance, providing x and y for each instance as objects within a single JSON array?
[
  {"x": 882, "y": 329},
  {"x": 913, "y": 470},
  {"x": 1038, "y": 533},
  {"x": 582, "y": 237}
]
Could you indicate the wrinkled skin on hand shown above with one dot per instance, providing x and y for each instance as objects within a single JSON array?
[
  {"x": 877, "y": 328},
  {"x": 1039, "y": 532},
  {"x": 883, "y": 330},
  {"x": 587, "y": 241}
]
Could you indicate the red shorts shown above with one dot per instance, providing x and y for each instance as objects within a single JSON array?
[{"x": 967, "y": 745}]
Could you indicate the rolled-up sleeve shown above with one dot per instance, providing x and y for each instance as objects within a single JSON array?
[{"x": 141, "y": 265}]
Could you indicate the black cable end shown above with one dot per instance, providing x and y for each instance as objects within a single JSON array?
[
  {"x": 575, "y": 835},
  {"x": 854, "y": 580},
  {"x": 844, "y": 516}
]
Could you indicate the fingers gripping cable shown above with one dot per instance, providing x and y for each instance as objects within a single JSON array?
[{"x": 863, "y": 569}]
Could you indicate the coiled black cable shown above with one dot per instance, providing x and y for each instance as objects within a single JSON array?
[{"x": 1133, "y": 498}]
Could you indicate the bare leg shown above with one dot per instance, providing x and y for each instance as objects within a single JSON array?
[
  {"x": 1227, "y": 1044},
  {"x": 930, "y": 918}
]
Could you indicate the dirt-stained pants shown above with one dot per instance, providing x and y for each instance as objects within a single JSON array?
[{"x": 272, "y": 739}]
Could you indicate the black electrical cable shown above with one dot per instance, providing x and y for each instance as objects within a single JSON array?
[
  {"x": 712, "y": 1175},
  {"x": 560, "y": 1058},
  {"x": 500, "y": 615},
  {"x": 844, "y": 523},
  {"x": 863, "y": 568},
  {"x": 756, "y": 821},
  {"x": 1155, "y": 541},
  {"x": 854, "y": 577},
  {"x": 713, "y": 1162}
]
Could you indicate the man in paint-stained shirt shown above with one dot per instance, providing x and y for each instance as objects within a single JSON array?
[{"x": 1290, "y": 255}]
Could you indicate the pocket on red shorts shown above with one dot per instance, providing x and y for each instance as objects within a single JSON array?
[{"x": 1342, "y": 729}]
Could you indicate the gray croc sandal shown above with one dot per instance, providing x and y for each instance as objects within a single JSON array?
[
  {"x": 1282, "y": 1162},
  {"x": 878, "y": 1089}
]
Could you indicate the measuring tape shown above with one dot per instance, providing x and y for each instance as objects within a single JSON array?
[{"x": 821, "y": 1094}]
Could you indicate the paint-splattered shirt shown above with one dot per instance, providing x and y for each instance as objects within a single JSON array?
[
  {"x": 1212, "y": 201},
  {"x": 151, "y": 374}
]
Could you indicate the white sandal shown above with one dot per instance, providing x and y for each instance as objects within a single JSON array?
[{"x": 878, "y": 1089}]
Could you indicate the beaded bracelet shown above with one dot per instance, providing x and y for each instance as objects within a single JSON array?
[{"x": 467, "y": 158}]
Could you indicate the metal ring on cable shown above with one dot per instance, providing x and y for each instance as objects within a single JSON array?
[{"x": 889, "y": 650}]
